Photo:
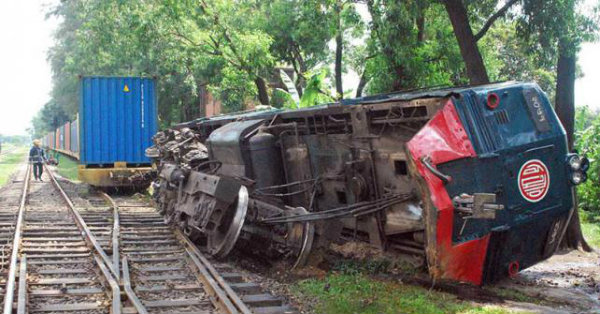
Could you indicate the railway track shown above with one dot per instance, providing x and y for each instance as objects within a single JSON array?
[
  {"x": 105, "y": 255},
  {"x": 164, "y": 264},
  {"x": 55, "y": 265}
]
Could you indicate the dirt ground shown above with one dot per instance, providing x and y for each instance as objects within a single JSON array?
[{"x": 568, "y": 282}]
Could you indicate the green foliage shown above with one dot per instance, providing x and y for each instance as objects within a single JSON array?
[
  {"x": 50, "y": 117},
  {"x": 10, "y": 159},
  {"x": 230, "y": 48},
  {"x": 314, "y": 93},
  {"x": 587, "y": 143},
  {"x": 8, "y": 141},
  {"x": 590, "y": 226},
  {"x": 67, "y": 167},
  {"x": 300, "y": 30},
  {"x": 546, "y": 23},
  {"x": 282, "y": 99},
  {"x": 355, "y": 293},
  {"x": 507, "y": 58}
]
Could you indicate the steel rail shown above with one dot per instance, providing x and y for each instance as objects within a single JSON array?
[
  {"x": 115, "y": 231},
  {"x": 103, "y": 261},
  {"x": 89, "y": 237},
  {"x": 12, "y": 270},
  {"x": 203, "y": 264},
  {"x": 139, "y": 306},
  {"x": 218, "y": 297},
  {"x": 22, "y": 298},
  {"x": 114, "y": 286},
  {"x": 221, "y": 294}
]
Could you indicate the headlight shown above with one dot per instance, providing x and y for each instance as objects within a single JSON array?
[
  {"x": 578, "y": 177},
  {"x": 575, "y": 162}
]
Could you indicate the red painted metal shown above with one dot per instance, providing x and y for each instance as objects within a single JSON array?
[
  {"x": 444, "y": 139},
  {"x": 67, "y": 130},
  {"x": 534, "y": 180},
  {"x": 493, "y": 100},
  {"x": 513, "y": 269},
  {"x": 57, "y": 138}
]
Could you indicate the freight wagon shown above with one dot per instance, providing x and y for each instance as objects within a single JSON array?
[
  {"x": 117, "y": 118},
  {"x": 479, "y": 181}
]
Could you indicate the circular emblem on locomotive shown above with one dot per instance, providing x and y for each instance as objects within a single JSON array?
[{"x": 534, "y": 180}]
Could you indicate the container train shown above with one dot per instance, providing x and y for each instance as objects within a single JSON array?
[
  {"x": 116, "y": 121},
  {"x": 479, "y": 180}
]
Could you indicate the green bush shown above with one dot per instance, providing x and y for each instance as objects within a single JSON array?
[{"x": 587, "y": 143}]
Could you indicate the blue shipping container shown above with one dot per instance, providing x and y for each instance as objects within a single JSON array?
[{"x": 117, "y": 119}]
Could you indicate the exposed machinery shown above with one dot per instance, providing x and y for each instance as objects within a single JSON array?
[{"x": 478, "y": 180}]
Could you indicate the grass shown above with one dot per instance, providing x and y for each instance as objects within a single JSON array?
[
  {"x": 340, "y": 293},
  {"x": 67, "y": 167},
  {"x": 513, "y": 295},
  {"x": 10, "y": 160},
  {"x": 590, "y": 225}
]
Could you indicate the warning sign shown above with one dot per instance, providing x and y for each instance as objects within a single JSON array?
[
  {"x": 534, "y": 180},
  {"x": 126, "y": 88}
]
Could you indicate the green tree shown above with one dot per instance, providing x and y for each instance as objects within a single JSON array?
[{"x": 300, "y": 30}]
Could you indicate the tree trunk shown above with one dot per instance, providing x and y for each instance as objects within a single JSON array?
[
  {"x": 466, "y": 41},
  {"x": 565, "y": 93},
  {"x": 565, "y": 109},
  {"x": 361, "y": 84},
  {"x": 421, "y": 27},
  {"x": 339, "y": 46},
  {"x": 263, "y": 95}
]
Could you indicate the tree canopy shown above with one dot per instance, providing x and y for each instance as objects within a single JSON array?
[{"x": 234, "y": 49}]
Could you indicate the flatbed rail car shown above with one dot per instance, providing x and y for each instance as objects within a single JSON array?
[
  {"x": 478, "y": 180},
  {"x": 117, "y": 118}
]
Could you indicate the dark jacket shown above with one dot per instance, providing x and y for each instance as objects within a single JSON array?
[{"x": 37, "y": 155}]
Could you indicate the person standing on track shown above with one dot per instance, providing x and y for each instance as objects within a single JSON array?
[{"x": 37, "y": 158}]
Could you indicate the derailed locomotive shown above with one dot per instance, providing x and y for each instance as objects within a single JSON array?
[{"x": 477, "y": 179}]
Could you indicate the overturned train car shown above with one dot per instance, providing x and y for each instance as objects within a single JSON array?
[{"x": 478, "y": 180}]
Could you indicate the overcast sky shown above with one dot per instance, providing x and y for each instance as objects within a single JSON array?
[{"x": 25, "y": 77}]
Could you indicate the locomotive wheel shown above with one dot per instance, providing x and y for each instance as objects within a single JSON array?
[
  {"x": 300, "y": 238},
  {"x": 220, "y": 242}
]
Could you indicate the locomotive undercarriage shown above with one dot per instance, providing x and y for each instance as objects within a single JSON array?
[{"x": 282, "y": 184}]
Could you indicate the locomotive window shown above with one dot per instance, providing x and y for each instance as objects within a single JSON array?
[{"x": 400, "y": 167}]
